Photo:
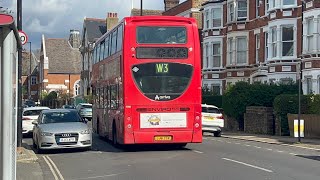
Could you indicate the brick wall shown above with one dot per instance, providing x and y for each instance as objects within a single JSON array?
[
  {"x": 230, "y": 124},
  {"x": 259, "y": 120}
]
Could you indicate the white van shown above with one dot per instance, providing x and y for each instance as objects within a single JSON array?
[{"x": 212, "y": 120}]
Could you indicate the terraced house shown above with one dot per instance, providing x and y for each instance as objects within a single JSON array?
[{"x": 261, "y": 40}]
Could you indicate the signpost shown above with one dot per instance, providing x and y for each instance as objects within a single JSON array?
[{"x": 23, "y": 37}]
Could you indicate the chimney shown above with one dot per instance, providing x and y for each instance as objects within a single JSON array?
[
  {"x": 74, "y": 38},
  {"x": 168, "y": 4},
  {"x": 112, "y": 20}
]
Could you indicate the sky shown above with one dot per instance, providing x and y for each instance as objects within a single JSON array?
[{"x": 55, "y": 18}]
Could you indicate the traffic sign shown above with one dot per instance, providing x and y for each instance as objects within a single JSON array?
[{"x": 23, "y": 37}]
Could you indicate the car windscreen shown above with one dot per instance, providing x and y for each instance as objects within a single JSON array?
[
  {"x": 211, "y": 110},
  {"x": 60, "y": 117},
  {"x": 161, "y": 35},
  {"x": 35, "y": 112},
  {"x": 86, "y": 106},
  {"x": 162, "y": 81}
]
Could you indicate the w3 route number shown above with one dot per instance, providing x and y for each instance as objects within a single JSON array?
[{"x": 162, "y": 68}]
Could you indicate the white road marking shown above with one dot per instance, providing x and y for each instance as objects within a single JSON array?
[
  {"x": 196, "y": 151},
  {"x": 257, "y": 147},
  {"x": 269, "y": 149},
  {"x": 293, "y": 154},
  {"x": 96, "y": 177},
  {"x": 237, "y": 143},
  {"x": 56, "y": 168},
  {"x": 248, "y": 145},
  {"x": 51, "y": 169},
  {"x": 260, "y": 168},
  {"x": 280, "y": 151},
  {"x": 228, "y": 142},
  {"x": 204, "y": 138}
]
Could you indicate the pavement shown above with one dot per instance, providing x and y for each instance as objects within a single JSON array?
[
  {"x": 306, "y": 143},
  {"x": 233, "y": 156}
]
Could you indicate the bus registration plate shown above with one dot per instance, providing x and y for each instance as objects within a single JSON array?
[{"x": 163, "y": 138}]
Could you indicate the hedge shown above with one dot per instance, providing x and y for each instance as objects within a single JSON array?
[
  {"x": 285, "y": 103},
  {"x": 212, "y": 100},
  {"x": 243, "y": 94}
]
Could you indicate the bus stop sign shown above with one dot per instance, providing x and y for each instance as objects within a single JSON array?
[{"x": 23, "y": 37}]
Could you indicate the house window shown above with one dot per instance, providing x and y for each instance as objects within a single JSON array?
[
  {"x": 257, "y": 7},
  {"x": 267, "y": 5},
  {"x": 216, "y": 17},
  {"x": 309, "y": 85},
  {"x": 310, "y": 25},
  {"x": 237, "y": 10},
  {"x": 207, "y": 19},
  {"x": 230, "y": 50},
  {"x": 231, "y": 11},
  {"x": 288, "y": 2},
  {"x": 215, "y": 89},
  {"x": 271, "y": 4},
  {"x": 241, "y": 50},
  {"x": 33, "y": 80},
  {"x": 287, "y": 41},
  {"x": 257, "y": 47},
  {"x": 242, "y": 10},
  {"x": 266, "y": 46},
  {"x": 216, "y": 53},
  {"x": 76, "y": 87},
  {"x": 206, "y": 64},
  {"x": 274, "y": 41}
]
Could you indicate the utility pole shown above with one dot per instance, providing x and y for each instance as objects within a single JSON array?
[
  {"x": 19, "y": 91},
  {"x": 29, "y": 79},
  {"x": 141, "y": 8},
  {"x": 300, "y": 72}
]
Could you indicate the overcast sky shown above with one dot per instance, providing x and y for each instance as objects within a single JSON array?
[{"x": 54, "y": 18}]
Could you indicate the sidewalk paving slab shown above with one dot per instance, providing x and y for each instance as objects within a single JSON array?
[
  {"x": 28, "y": 167},
  {"x": 306, "y": 143}
]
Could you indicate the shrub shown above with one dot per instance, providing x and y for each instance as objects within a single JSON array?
[
  {"x": 243, "y": 94},
  {"x": 212, "y": 100}
]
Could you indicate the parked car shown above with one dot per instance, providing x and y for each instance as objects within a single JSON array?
[
  {"x": 66, "y": 106},
  {"x": 29, "y": 103},
  {"x": 61, "y": 128},
  {"x": 212, "y": 119},
  {"x": 85, "y": 110},
  {"x": 30, "y": 114}
]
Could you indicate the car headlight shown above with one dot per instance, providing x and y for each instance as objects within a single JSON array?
[
  {"x": 46, "y": 134},
  {"x": 87, "y": 131}
]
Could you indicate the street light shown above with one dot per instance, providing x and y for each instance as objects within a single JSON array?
[{"x": 29, "y": 79}]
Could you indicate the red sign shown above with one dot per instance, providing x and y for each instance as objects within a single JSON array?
[
  {"x": 6, "y": 19},
  {"x": 23, "y": 37}
]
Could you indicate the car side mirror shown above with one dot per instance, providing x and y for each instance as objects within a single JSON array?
[{"x": 35, "y": 123}]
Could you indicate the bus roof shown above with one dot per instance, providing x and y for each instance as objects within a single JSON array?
[{"x": 149, "y": 18}]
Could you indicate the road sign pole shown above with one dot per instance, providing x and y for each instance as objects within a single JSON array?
[{"x": 19, "y": 91}]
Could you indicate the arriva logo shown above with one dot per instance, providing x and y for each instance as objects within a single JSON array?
[{"x": 164, "y": 97}]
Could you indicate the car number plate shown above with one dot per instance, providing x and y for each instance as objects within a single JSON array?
[
  {"x": 72, "y": 139},
  {"x": 163, "y": 138}
]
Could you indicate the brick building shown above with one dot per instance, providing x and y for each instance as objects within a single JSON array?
[
  {"x": 60, "y": 64},
  {"x": 93, "y": 29},
  {"x": 26, "y": 71},
  {"x": 260, "y": 41}
]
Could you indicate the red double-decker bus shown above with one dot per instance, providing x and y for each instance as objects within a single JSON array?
[{"x": 146, "y": 79}]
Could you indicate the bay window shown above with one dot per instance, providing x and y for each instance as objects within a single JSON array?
[
  {"x": 216, "y": 17},
  {"x": 257, "y": 7},
  {"x": 237, "y": 10},
  {"x": 274, "y": 41},
  {"x": 216, "y": 53},
  {"x": 241, "y": 50},
  {"x": 287, "y": 41},
  {"x": 266, "y": 44},
  {"x": 207, "y": 19},
  {"x": 206, "y": 64},
  {"x": 230, "y": 51},
  {"x": 289, "y": 2},
  {"x": 310, "y": 26},
  {"x": 257, "y": 47}
]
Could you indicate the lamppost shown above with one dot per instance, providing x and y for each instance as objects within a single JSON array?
[
  {"x": 141, "y": 8},
  {"x": 29, "y": 78}
]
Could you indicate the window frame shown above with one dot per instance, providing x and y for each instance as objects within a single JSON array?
[
  {"x": 33, "y": 80},
  {"x": 309, "y": 34},
  {"x": 287, "y": 41},
  {"x": 230, "y": 50},
  {"x": 241, "y": 51},
  {"x": 217, "y": 55},
  {"x": 273, "y": 42},
  {"x": 214, "y": 19},
  {"x": 207, "y": 55},
  {"x": 257, "y": 38}
]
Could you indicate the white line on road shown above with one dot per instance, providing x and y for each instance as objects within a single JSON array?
[
  {"x": 248, "y": 145},
  {"x": 260, "y": 168},
  {"x": 196, "y": 151},
  {"x": 237, "y": 143},
  {"x": 96, "y": 177},
  {"x": 56, "y": 168},
  {"x": 257, "y": 147},
  {"x": 293, "y": 154},
  {"x": 51, "y": 169},
  {"x": 269, "y": 149},
  {"x": 280, "y": 151}
]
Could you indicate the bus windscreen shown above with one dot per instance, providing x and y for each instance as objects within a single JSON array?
[{"x": 161, "y": 35}]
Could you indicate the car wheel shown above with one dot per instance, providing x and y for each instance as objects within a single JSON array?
[{"x": 217, "y": 134}]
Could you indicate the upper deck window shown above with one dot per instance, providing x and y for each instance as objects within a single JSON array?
[{"x": 161, "y": 35}]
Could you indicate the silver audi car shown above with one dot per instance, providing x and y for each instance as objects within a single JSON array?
[{"x": 61, "y": 128}]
